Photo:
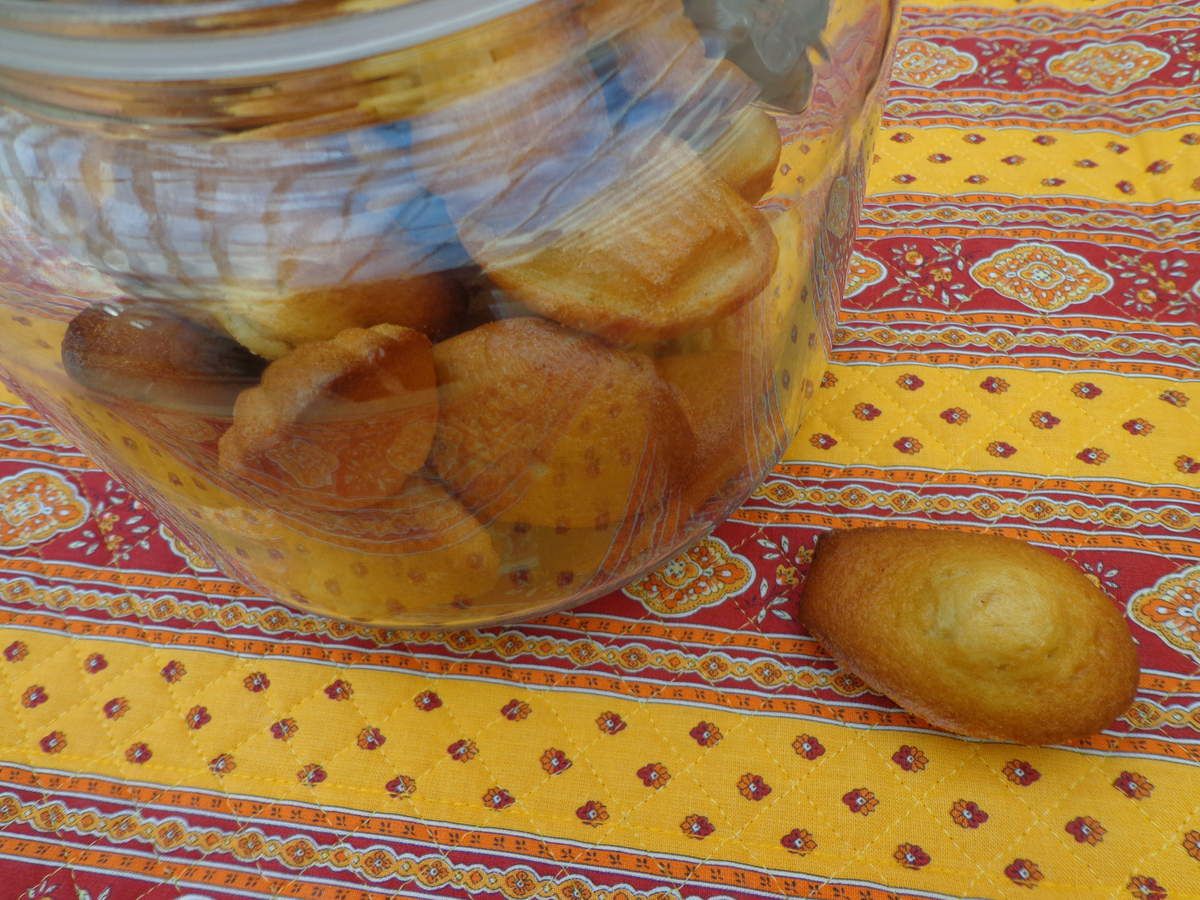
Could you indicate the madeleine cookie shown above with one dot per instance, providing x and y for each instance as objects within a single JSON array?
[
  {"x": 979, "y": 634},
  {"x": 747, "y": 153},
  {"x": 147, "y": 354},
  {"x": 666, "y": 248},
  {"x": 726, "y": 398},
  {"x": 541, "y": 425},
  {"x": 272, "y": 326},
  {"x": 434, "y": 556},
  {"x": 339, "y": 422}
]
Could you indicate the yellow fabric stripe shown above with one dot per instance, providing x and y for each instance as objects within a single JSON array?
[
  {"x": 1062, "y": 159},
  {"x": 913, "y": 807}
]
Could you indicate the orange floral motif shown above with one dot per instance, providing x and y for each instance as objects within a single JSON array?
[
  {"x": 860, "y": 800},
  {"x": 197, "y": 717},
  {"x": 222, "y": 764},
  {"x": 911, "y": 856},
  {"x": 592, "y": 813},
  {"x": 138, "y": 753},
  {"x": 256, "y": 682},
  {"x": 1020, "y": 772},
  {"x": 654, "y": 775},
  {"x": 515, "y": 710},
  {"x": 426, "y": 701},
  {"x": 115, "y": 708},
  {"x": 1086, "y": 830},
  {"x": 1133, "y": 785},
  {"x": 401, "y": 786},
  {"x": 1143, "y": 887},
  {"x": 910, "y": 759},
  {"x": 753, "y": 787},
  {"x": 706, "y": 734},
  {"x": 925, "y": 64},
  {"x": 866, "y": 412},
  {"x": 1191, "y": 843},
  {"x": 1171, "y": 609},
  {"x": 610, "y": 723},
  {"x": 339, "y": 689},
  {"x": 370, "y": 738},
  {"x": 284, "y": 729},
  {"x": 498, "y": 798},
  {"x": 864, "y": 272},
  {"x": 703, "y": 575},
  {"x": 16, "y": 651},
  {"x": 967, "y": 814},
  {"x": 1109, "y": 67},
  {"x": 1041, "y": 276},
  {"x": 955, "y": 415},
  {"x": 1024, "y": 872},
  {"x": 34, "y": 696},
  {"x": 798, "y": 841},
  {"x": 35, "y": 506},
  {"x": 698, "y": 827},
  {"x": 555, "y": 762},
  {"x": 311, "y": 774},
  {"x": 463, "y": 750},
  {"x": 54, "y": 742},
  {"x": 1187, "y": 465}
]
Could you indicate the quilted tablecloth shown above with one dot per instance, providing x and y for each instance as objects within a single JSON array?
[{"x": 1018, "y": 351}]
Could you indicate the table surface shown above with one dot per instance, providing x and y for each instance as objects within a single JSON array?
[{"x": 1018, "y": 352}]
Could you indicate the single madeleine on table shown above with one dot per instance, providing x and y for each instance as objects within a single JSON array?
[{"x": 979, "y": 634}]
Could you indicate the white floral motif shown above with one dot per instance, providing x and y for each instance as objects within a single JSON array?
[{"x": 120, "y": 526}]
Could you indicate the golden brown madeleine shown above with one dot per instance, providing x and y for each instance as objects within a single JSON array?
[
  {"x": 725, "y": 396},
  {"x": 338, "y": 422},
  {"x": 148, "y": 354},
  {"x": 666, "y": 248},
  {"x": 746, "y": 154},
  {"x": 273, "y": 325},
  {"x": 979, "y": 634},
  {"x": 429, "y": 555},
  {"x": 541, "y": 425}
]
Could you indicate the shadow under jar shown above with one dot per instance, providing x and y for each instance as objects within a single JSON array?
[{"x": 431, "y": 313}]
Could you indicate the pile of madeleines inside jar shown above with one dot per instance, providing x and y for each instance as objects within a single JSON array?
[{"x": 500, "y": 329}]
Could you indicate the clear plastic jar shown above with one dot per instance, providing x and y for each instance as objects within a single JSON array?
[{"x": 438, "y": 312}]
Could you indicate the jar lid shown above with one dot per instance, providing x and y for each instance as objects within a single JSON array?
[{"x": 93, "y": 40}]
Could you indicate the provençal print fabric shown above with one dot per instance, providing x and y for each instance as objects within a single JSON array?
[{"x": 1019, "y": 351}]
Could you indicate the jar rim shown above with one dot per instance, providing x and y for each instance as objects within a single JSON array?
[{"x": 214, "y": 56}]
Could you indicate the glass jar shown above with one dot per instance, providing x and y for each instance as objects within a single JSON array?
[{"x": 437, "y": 312}]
